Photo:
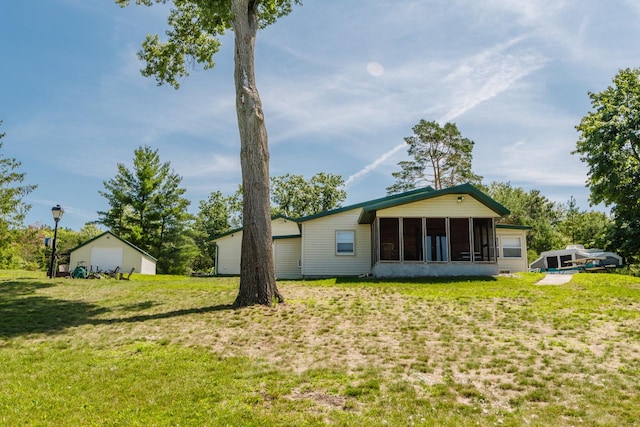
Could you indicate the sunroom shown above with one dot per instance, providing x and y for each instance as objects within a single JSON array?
[
  {"x": 417, "y": 246},
  {"x": 444, "y": 232}
]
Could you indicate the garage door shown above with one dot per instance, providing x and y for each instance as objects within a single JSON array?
[{"x": 106, "y": 258}]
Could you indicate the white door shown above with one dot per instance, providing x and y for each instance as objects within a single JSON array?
[{"x": 106, "y": 258}]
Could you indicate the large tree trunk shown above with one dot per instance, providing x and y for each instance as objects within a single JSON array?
[{"x": 257, "y": 273}]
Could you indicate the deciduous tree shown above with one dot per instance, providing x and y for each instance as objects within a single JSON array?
[
  {"x": 441, "y": 158},
  {"x": 294, "y": 196},
  {"x": 196, "y": 26},
  {"x": 12, "y": 206},
  {"x": 609, "y": 144},
  {"x": 532, "y": 209},
  {"x": 589, "y": 228},
  {"x": 212, "y": 219}
]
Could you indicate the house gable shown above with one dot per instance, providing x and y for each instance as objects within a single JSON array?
[
  {"x": 458, "y": 194},
  {"x": 448, "y": 205}
]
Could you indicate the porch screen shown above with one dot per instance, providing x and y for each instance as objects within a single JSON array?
[
  {"x": 412, "y": 239},
  {"x": 460, "y": 239},
  {"x": 437, "y": 239},
  {"x": 390, "y": 239},
  {"x": 483, "y": 241}
]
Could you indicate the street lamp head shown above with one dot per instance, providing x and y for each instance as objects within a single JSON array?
[{"x": 57, "y": 212}]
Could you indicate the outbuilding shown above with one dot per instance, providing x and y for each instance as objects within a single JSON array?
[{"x": 108, "y": 251}]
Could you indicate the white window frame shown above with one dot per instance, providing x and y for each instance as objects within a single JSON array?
[
  {"x": 503, "y": 246},
  {"x": 342, "y": 238}
]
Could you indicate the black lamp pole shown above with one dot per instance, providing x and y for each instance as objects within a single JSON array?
[{"x": 57, "y": 212}]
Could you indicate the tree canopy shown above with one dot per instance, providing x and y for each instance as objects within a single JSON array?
[
  {"x": 294, "y": 196},
  {"x": 12, "y": 206},
  {"x": 533, "y": 209},
  {"x": 609, "y": 144},
  {"x": 441, "y": 158}
]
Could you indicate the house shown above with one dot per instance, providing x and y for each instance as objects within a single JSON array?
[
  {"x": 422, "y": 232},
  {"x": 108, "y": 251}
]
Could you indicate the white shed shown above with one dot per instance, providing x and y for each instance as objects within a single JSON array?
[{"x": 108, "y": 251}]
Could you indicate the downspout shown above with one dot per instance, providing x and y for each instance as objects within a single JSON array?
[{"x": 215, "y": 260}]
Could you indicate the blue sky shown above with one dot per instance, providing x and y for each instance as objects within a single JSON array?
[{"x": 342, "y": 83}]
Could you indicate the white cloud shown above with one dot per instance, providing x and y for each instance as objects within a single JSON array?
[{"x": 192, "y": 165}]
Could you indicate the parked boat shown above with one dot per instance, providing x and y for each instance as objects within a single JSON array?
[{"x": 576, "y": 258}]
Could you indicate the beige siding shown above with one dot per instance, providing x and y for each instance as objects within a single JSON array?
[
  {"x": 443, "y": 206},
  {"x": 148, "y": 266},
  {"x": 83, "y": 255},
  {"x": 229, "y": 248},
  {"x": 287, "y": 254},
  {"x": 512, "y": 265},
  {"x": 319, "y": 246},
  {"x": 284, "y": 227},
  {"x": 131, "y": 258}
]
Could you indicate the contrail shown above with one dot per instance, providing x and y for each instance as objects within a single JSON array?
[{"x": 493, "y": 72}]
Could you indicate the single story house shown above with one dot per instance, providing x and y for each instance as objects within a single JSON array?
[
  {"x": 108, "y": 251},
  {"x": 422, "y": 232}
]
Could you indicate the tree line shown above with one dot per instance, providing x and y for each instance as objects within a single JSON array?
[{"x": 146, "y": 203}]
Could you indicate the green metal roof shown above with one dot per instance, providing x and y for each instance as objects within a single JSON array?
[
  {"x": 236, "y": 230},
  {"x": 369, "y": 208},
  {"x": 416, "y": 192},
  {"x": 513, "y": 227}
]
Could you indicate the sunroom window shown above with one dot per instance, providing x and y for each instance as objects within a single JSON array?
[
  {"x": 460, "y": 239},
  {"x": 412, "y": 239},
  {"x": 437, "y": 239},
  {"x": 390, "y": 239}
]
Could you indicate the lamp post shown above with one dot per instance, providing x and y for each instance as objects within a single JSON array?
[{"x": 57, "y": 212}]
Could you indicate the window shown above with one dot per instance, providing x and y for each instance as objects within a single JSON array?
[
  {"x": 436, "y": 239},
  {"x": 412, "y": 239},
  {"x": 552, "y": 262},
  {"x": 460, "y": 239},
  {"x": 345, "y": 242},
  {"x": 565, "y": 261},
  {"x": 511, "y": 247},
  {"x": 390, "y": 239}
]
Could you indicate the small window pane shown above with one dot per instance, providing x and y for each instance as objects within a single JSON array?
[
  {"x": 511, "y": 247},
  {"x": 345, "y": 242}
]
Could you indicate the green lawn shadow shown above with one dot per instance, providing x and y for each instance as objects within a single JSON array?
[{"x": 23, "y": 313}]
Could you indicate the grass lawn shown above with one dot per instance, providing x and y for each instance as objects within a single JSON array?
[{"x": 169, "y": 351}]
